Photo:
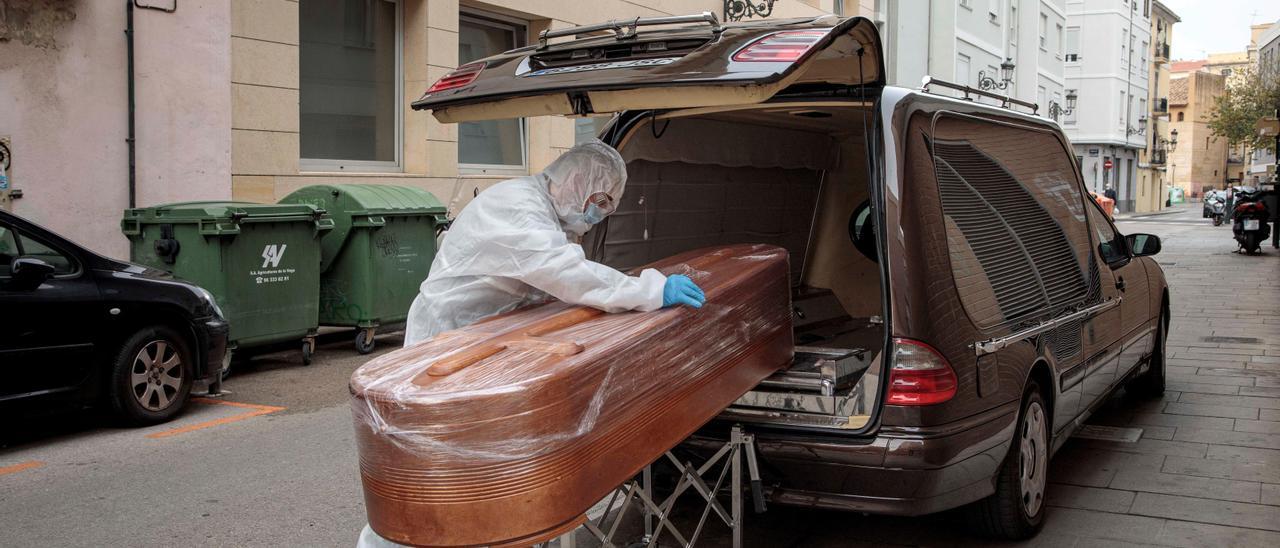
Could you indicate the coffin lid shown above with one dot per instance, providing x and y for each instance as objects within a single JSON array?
[{"x": 681, "y": 67}]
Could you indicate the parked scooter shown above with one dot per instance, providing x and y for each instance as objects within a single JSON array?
[
  {"x": 1249, "y": 221},
  {"x": 1216, "y": 207}
]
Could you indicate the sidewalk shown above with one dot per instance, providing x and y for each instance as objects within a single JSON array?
[{"x": 1171, "y": 210}]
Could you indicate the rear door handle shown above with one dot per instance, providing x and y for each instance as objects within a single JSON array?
[{"x": 1120, "y": 284}]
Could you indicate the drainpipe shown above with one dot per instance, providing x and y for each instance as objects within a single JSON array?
[
  {"x": 133, "y": 164},
  {"x": 133, "y": 110}
]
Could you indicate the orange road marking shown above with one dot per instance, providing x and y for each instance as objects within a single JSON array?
[
  {"x": 20, "y": 467},
  {"x": 255, "y": 411}
]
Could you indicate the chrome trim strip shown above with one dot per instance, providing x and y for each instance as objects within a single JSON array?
[{"x": 982, "y": 348}]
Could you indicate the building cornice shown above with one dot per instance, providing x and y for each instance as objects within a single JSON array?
[{"x": 1169, "y": 14}]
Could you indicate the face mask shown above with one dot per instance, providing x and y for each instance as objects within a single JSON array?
[
  {"x": 593, "y": 214},
  {"x": 575, "y": 224}
]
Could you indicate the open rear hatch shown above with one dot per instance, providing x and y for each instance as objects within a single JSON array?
[{"x": 702, "y": 64}]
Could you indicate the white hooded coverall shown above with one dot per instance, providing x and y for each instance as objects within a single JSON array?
[{"x": 514, "y": 244}]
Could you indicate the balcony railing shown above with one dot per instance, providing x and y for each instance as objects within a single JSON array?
[
  {"x": 1162, "y": 52},
  {"x": 1157, "y": 157},
  {"x": 1160, "y": 106}
]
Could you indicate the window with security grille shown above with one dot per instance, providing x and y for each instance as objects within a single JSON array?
[{"x": 1014, "y": 213}]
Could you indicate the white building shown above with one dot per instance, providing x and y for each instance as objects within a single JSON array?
[
  {"x": 963, "y": 40},
  {"x": 1107, "y": 48}
]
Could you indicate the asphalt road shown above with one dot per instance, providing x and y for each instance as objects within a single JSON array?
[{"x": 273, "y": 463}]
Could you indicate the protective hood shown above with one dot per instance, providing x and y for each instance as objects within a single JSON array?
[{"x": 583, "y": 170}]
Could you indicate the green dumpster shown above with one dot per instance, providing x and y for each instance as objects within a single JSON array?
[
  {"x": 378, "y": 253},
  {"x": 261, "y": 262}
]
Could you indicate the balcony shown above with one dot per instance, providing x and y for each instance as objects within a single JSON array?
[
  {"x": 1235, "y": 159},
  {"x": 1160, "y": 107},
  {"x": 1162, "y": 53}
]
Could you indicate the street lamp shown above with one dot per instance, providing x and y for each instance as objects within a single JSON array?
[
  {"x": 1142, "y": 127},
  {"x": 1056, "y": 109},
  {"x": 1006, "y": 76},
  {"x": 736, "y": 10},
  {"x": 1171, "y": 143}
]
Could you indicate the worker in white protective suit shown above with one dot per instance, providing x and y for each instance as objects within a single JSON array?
[{"x": 516, "y": 244}]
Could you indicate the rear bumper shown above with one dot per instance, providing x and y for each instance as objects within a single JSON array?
[
  {"x": 211, "y": 341},
  {"x": 902, "y": 471}
]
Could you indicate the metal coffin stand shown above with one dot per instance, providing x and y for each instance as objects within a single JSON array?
[
  {"x": 657, "y": 515},
  {"x": 605, "y": 527}
]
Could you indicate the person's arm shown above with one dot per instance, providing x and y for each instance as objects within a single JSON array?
[
  {"x": 565, "y": 273},
  {"x": 539, "y": 254}
]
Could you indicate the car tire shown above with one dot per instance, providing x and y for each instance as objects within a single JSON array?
[
  {"x": 1151, "y": 383},
  {"x": 151, "y": 376},
  {"x": 1252, "y": 243},
  {"x": 1016, "y": 510}
]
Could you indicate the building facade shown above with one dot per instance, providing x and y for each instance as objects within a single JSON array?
[
  {"x": 253, "y": 99},
  {"x": 1234, "y": 66},
  {"x": 1262, "y": 162},
  {"x": 965, "y": 41},
  {"x": 1153, "y": 180},
  {"x": 1108, "y": 66},
  {"x": 1199, "y": 163}
]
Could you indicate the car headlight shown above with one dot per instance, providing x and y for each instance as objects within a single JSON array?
[{"x": 208, "y": 299}]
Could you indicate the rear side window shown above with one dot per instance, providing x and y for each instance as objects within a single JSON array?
[{"x": 1015, "y": 220}]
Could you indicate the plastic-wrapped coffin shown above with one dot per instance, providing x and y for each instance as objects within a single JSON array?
[{"x": 507, "y": 431}]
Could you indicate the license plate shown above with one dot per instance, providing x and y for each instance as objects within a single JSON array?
[{"x": 1251, "y": 224}]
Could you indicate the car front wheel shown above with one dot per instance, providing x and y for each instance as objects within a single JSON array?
[
  {"x": 151, "y": 376},
  {"x": 1016, "y": 510}
]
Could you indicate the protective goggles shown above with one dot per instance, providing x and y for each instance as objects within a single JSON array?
[{"x": 603, "y": 201}]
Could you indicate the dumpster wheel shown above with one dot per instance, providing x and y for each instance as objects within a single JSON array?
[
  {"x": 364, "y": 340},
  {"x": 308, "y": 348}
]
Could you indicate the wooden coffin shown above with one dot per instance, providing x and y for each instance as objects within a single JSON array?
[{"x": 507, "y": 431}]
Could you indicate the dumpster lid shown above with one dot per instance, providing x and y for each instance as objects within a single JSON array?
[
  {"x": 371, "y": 199},
  {"x": 366, "y": 205},
  {"x": 190, "y": 212}
]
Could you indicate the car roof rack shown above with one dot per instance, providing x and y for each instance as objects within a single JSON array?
[
  {"x": 625, "y": 29},
  {"x": 1006, "y": 101}
]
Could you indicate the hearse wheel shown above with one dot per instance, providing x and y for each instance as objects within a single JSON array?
[
  {"x": 151, "y": 376},
  {"x": 1016, "y": 510}
]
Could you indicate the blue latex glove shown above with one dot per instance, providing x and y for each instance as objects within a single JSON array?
[{"x": 679, "y": 289}]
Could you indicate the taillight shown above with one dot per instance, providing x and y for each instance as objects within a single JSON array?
[
  {"x": 457, "y": 78},
  {"x": 1250, "y": 207},
  {"x": 783, "y": 46},
  {"x": 920, "y": 375}
]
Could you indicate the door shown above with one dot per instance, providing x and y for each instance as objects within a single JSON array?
[
  {"x": 47, "y": 332},
  {"x": 1107, "y": 332},
  {"x": 638, "y": 67}
]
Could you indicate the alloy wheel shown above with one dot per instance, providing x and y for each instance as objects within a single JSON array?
[
  {"x": 156, "y": 375},
  {"x": 1033, "y": 458}
]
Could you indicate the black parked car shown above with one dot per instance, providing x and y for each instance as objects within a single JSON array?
[{"x": 79, "y": 328}]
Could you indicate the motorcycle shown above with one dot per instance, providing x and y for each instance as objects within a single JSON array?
[
  {"x": 1249, "y": 221},
  {"x": 1216, "y": 207}
]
